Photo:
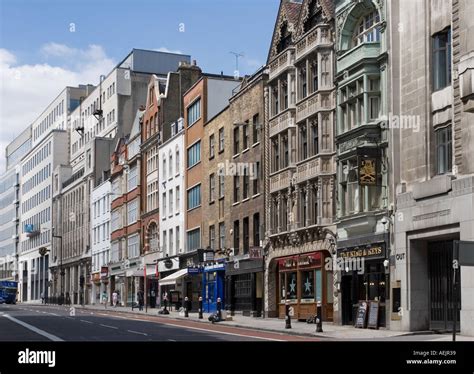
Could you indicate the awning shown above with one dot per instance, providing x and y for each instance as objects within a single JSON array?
[{"x": 171, "y": 279}]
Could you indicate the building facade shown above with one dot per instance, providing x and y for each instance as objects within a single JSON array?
[
  {"x": 201, "y": 103},
  {"x": 362, "y": 156},
  {"x": 100, "y": 240},
  {"x": 243, "y": 174},
  {"x": 10, "y": 205},
  {"x": 36, "y": 194},
  {"x": 126, "y": 271},
  {"x": 431, "y": 124},
  {"x": 300, "y": 161}
]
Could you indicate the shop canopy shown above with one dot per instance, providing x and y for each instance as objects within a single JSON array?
[{"x": 171, "y": 279}]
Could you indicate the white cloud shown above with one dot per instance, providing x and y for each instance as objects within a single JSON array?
[
  {"x": 164, "y": 49},
  {"x": 25, "y": 90}
]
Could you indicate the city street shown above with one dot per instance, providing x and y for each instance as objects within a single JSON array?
[{"x": 54, "y": 323}]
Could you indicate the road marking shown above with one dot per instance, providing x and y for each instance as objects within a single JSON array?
[
  {"x": 110, "y": 327},
  {"x": 171, "y": 340},
  {"x": 54, "y": 314},
  {"x": 137, "y": 332},
  {"x": 83, "y": 320},
  {"x": 52, "y": 337},
  {"x": 196, "y": 328}
]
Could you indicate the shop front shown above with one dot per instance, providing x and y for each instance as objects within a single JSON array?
[
  {"x": 170, "y": 280},
  {"x": 304, "y": 281},
  {"x": 192, "y": 284},
  {"x": 96, "y": 283},
  {"x": 213, "y": 276},
  {"x": 364, "y": 276},
  {"x": 244, "y": 286}
]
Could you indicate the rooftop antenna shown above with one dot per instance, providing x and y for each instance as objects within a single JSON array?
[{"x": 237, "y": 55}]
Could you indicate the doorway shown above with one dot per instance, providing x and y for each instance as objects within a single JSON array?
[{"x": 440, "y": 272}]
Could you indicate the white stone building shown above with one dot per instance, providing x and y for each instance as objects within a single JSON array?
[
  {"x": 36, "y": 212},
  {"x": 100, "y": 237}
]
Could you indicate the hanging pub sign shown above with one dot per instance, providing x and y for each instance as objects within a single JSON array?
[{"x": 367, "y": 171}]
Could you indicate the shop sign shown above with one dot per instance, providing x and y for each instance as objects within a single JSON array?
[
  {"x": 309, "y": 260},
  {"x": 312, "y": 259},
  {"x": 96, "y": 277},
  {"x": 256, "y": 252},
  {"x": 370, "y": 251},
  {"x": 104, "y": 271},
  {"x": 215, "y": 267},
  {"x": 367, "y": 172},
  {"x": 193, "y": 270}
]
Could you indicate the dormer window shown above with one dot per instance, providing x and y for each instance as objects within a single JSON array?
[
  {"x": 314, "y": 16},
  {"x": 285, "y": 38},
  {"x": 367, "y": 29}
]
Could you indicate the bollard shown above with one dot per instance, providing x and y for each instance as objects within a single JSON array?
[
  {"x": 219, "y": 312},
  {"x": 186, "y": 305},
  {"x": 287, "y": 316},
  {"x": 200, "y": 307},
  {"x": 319, "y": 318}
]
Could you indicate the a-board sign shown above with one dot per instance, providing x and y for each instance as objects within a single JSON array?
[
  {"x": 373, "y": 320},
  {"x": 361, "y": 316}
]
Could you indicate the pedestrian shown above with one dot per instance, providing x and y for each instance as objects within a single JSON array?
[
  {"x": 42, "y": 297},
  {"x": 114, "y": 298},
  {"x": 140, "y": 300},
  {"x": 104, "y": 299}
]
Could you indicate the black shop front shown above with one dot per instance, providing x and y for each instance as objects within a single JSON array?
[{"x": 365, "y": 276}]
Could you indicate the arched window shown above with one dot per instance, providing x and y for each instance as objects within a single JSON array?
[
  {"x": 367, "y": 29},
  {"x": 153, "y": 237}
]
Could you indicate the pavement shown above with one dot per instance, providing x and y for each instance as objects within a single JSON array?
[{"x": 331, "y": 331}]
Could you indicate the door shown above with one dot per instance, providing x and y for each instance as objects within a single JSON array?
[
  {"x": 440, "y": 272},
  {"x": 346, "y": 293}
]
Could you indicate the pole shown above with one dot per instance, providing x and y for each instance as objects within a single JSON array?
[
  {"x": 287, "y": 315},
  {"x": 200, "y": 307},
  {"x": 145, "y": 295},
  {"x": 455, "y": 298},
  {"x": 319, "y": 318}
]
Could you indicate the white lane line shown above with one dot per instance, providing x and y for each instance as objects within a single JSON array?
[
  {"x": 83, "y": 320},
  {"x": 110, "y": 327},
  {"x": 52, "y": 337},
  {"x": 171, "y": 340},
  {"x": 137, "y": 332},
  {"x": 54, "y": 314}
]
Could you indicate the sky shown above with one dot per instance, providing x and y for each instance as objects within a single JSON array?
[{"x": 46, "y": 45}]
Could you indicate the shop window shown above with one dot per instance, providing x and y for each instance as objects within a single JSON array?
[
  {"x": 319, "y": 286},
  {"x": 291, "y": 282},
  {"x": 307, "y": 284}
]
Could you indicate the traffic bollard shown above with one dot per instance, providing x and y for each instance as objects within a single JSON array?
[
  {"x": 219, "y": 312},
  {"x": 287, "y": 316},
  {"x": 200, "y": 307},
  {"x": 186, "y": 305},
  {"x": 319, "y": 318}
]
